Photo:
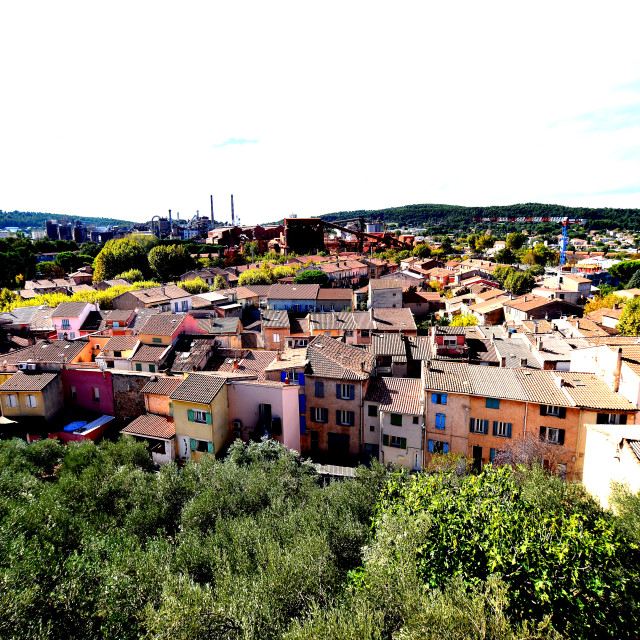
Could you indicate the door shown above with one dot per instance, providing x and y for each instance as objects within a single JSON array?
[
  {"x": 477, "y": 458},
  {"x": 338, "y": 446},
  {"x": 184, "y": 446},
  {"x": 417, "y": 461}
]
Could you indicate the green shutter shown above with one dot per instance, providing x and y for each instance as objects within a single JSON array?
[
  {"x": 192, "y": 441},
  {"x": 138, "y": 366},
  {"x": 171, "y": 408},
  {"x": 210, "y": 447},
  {"x": 152, "y": 368},
  {"x": 208, "y": 417},
  {"x": 190, "y": 415},
  {"x": 403, "y": 443},
  {"x": 385, "y": 440}
]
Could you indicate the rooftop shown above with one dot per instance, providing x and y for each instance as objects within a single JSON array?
[
  {"x": 396, "y": 395},
  {"x": 28, "y": 382},
  {"x": 331, "y": 358},
  {"x": 152, "y": 426},
  {"x": 200, "y": 388}
]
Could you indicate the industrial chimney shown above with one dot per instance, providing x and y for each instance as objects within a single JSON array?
[
  {"x": 233, "y": 222},
  {"x": 212, "y": 218}
]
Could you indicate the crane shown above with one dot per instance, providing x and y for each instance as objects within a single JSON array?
[{"x": 563, "y": 220}]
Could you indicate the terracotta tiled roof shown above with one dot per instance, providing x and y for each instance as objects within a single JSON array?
[
  {"x": 120, "y": 343},
  {"x": 152, "y": 426},
  {"x": 162, "y": 324},
  {"x": 199, "y": 388},
  {"x": 28, "y": 382},
  {"x": 384, "y": 283},
  {"x": 47, "y": 351},
  {"x": 149, "y": 353},
  {"x": 163, "y": 386},
  {"x": 330, "y": 358},
  {"x": 388, "y": 344},
  {"x": 394, "y": 319},
  {"x": 69, "y": 309},
  {"x": 335, "y": 294},
  {"x": 396, "y": 395},
  {"x": 275, "y": 319},
  {"x": 253, "y": 362},
  {"x": 293, "y": 291},
  {"x": 191, "y": 352}
]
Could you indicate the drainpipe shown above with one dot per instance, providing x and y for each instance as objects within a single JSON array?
[{"x": 524, "y": 431}]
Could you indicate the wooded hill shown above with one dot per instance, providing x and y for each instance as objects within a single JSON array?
[
  {"x": 453, "y": 217},
  {"x": 24, "y": 219}
]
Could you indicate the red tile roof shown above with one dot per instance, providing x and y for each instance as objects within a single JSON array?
[{"x": 152, "y": 426}]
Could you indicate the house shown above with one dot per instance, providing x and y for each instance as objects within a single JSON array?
[
  {"x": 422, "y": 303},
  {"x": 158, "y": 431},
  {"x": 449, "y": 342},
  {"x": 162, "y": 329},
  {"x": 296, "y": 297},
  {"x": 191, "y": 353},
  {"x": 117, "y": 351},
  {"x": 149, "y": 357},
  {"x": 334, "y": 300},
  {"x": 530, "y": 307},
  {"x": 87, "y": 390},
  {"x": 393, "y": 321},
  {"x": 243, "y": 363},
  {"x": 47, "y": 355},
  {"x": 390, "y": 352},
  {"x": 394, "y": 422},
  {"x": 28, "y": 323},
  {"x": 275, "y": 328},
  {"x": 385, "y": 294},
  {"x": 201, "y": 415},
  {"x": 166, "y": 297},
  {"x": 336, "y": 380},
  {"x": 68, "y": 318},
  {"x": 354, "y": 327},
  {"x": 31, "y": 396}
]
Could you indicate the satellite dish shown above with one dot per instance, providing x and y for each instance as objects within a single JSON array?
[{"x": 102, "y": 365}]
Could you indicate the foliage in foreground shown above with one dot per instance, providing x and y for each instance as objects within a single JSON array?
[{"x": 94, "y": 544}]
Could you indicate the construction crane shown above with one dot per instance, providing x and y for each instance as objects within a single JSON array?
[{"x": 563, "y": 220}]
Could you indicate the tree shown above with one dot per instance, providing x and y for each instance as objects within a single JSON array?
[
  {"x": 519, "y": 282},
  {"x": 464, "y": 320},
  {"x": 169, "y": 262},
  {"x": 603, "y": 302},
  {"x": 421, "y": 250},
  {"x": 314, "y": 276},
  {"x": 634, "y": 283},
  {"x": 133, "y": 275},
  {"x": 49, "y": 269},
  {"x": 219, "y": 283},
  {"x": 90, "y": 249},
  {"x": 629, "y": 323},
  {"x": 251, "y": 249},
  {"x": 472, "y": 241},
  {"x": 515, "y": 241},
  {"x": 255, "y": 276},
  {"x": 501, "y": 273},
  {"x": 505, "y": 256},
  {"x": 118, "y": 256},
  {"x": 485, "y": 242},
  {"x": 283, "y": 271},
  {"x": 146, "y": 240},
  {"x": 67, "y": 261},
  {"x": 447, "y": 245},
  {"x": 195, "y": 286}
]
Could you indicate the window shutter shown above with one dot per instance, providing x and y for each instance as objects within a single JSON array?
[
  {"x": 623, "y": 418},
  {"x": 563, "y": 412},
  {"x": 444, "y": 398},
  {"x": 445, "y": 447},
  {"x": 543, "y": 409},
  {"x": 543, "y": 433},
  {"x": 303, "y": 425},
  {"x": 192, "y": 443},
  {"x": 152, "y": 368},
  {"x": 509, "y": 428},
  {"x": 283, "y": 376},
  {"x": 301, "y": 379},
  {"x": 338, "y": 392},
  {"x": 495, "y": 427},
  {"x": 208, "y": 417},
  {"x": 434, "y": 398},
  {"x": 485, "y": 427},
  {"x": 602, "y": 418},
  {"x": 385, "y": 440},
  {"x": 492, "y": 455},
  {"x": 171, "y": 408},
  {"x": 210, "y": 447},
  {"x": 472, "y": 425},
  {"x": 190, "y": 415},
  {"x": 403, "y": 443},
  {"x": 138, "y": 366},
  {"x": 319, "y": 389},
  {"x": 560, "y": 436},
  {"x": 430, "y": 446},
  {"x": 302, "y": 402},
  {"x": 352, "y": 391},
  {"x": 338, "y": 416},
  {"x": 352, "y": 418}
]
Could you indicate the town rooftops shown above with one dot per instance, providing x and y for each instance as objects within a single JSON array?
[
  {"x": 385, "y": 283},
  {"x": 335, "y": 294},
  {"x": 250, "y": 362},
  {"x": 199, "y": 388},
  {"x": 331, "y": 358},
  {"x": 120, "y": 343},
  {"x": 70, "y": 309},
  {"x": 389, "y": 344},
  {"x": 163, "y": 386},
  {"x": 190, "y": 352},
  {"x": 275, "y": 319},
  {"x": 152, "y": 426},
  {"x": 162, "y": 324},
  {"x": 149, "y": 353},
  {"x": 28, "y": 382},
  {"x": 47, "y": 351},
  {"x": 293, "y": 291},
  {"x": 396, "y": 395},
  {"x": 394, "y": 320}
]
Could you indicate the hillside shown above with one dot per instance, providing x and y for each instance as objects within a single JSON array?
[
  {"x": 24, "y": 219},
  {"x": 453, "y": 217}
]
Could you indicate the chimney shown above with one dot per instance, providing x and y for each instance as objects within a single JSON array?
[
  {"x": 559, "y": 382},
  {"x": 618, "y": 368},
  {"x": 538, "y": 343},
  {"x": 232, "y": 212},
  {"x": 236, "y": 364},
  {"x": 278, "y": 355},
  {"x": 503, "y": 362},
  {"x": 523, "y": 362}
]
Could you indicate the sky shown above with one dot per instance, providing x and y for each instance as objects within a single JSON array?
[{"x": 129, "y": 109}]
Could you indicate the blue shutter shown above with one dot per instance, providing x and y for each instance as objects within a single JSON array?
[
  {"x": 430, "y": 446},
  {"x": 303, "y": 425},
  {"x": 338, "y": 416},
  {"x": 302, "y": 402},
  {"x": 492, "y": 454},
  {"x": 445, "y": 447},
  {"x": 472, "y": 424},
  {"x": 434, "y": 398},
  {"x": 444, "y": 398},
  {"x": 283, "y": 376},
  {"x": 352, "y": 391},
  {"x": 509, "y": 426},
  {"x": 495, "y": 427},
  {"x": 338, "y": 392},
  {"x": 486, "y": 427},
  {"x": 301, "y": 379}
]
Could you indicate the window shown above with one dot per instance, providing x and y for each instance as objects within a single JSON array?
[
  {"x": 550, "y": 410},
  {"x": 439, "y": 398},
  {"x": 32, "y": 401},
  {"x": 348, "y": 333},
  {"x": 73, "y": 393},
  {"x": 416, "y": 420},
  {"x": 345, "y": 392},
  {"x": 156, "y": 340},
  {"x": 502, "y": 429},
  {"x": 65, "y": 323},
  {"x": 175, "y": 307},
  {"x": 72, "y": 335},
  {"x": 319, "y": 389},
  {"x": 396, "y": 419},
  {"x": 479, "y": 426},
  {"x": 372, "y": 427},
  {"x": 365, "y": 333},
  {"x": 611, "y": 418},
  {"x": 397, "y": 441},
  {"x": 12, "y": 401},
  {"x": 313, "y": 440},
  {"x": 202, "y": 446},
  {"x": 276, "y": 337},
  {"x": 372, "y": 411},
  {"x": 437, "y": 446},
  {"x": 185, "y": 305},
  {"x": 138, "y": 366},
  {"x": 450, "y": 341},
  {"x": 441, "y": 421},
  {"x": 551, "y": 435},
  {"x": 152, "y": 368},
  {"x": 200, "y": 416},
  {"x": 345, "y": 418},
  {"x": 117, "y": 354},
  {"x": 492, "y": 403},
  {"x": 95, "y": 394},
  {"x": 319, "y": 414}
]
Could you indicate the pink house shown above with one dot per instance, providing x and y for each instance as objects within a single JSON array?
[
  {"x": 68, "y": 318},
  {"x": 449, "y": 341},
  {"x": 90, "y": 390}
]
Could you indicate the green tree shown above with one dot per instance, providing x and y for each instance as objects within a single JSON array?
[
  {"x": 90, "y": 249},
  {"x": 195, "y": 286},
  {"x": 603, "y": 302},
  {"x": 505, "y": 256},
  {"x": 146, "y": 240},
  {"x": 519, "y": 282},
  {"x": 118, "y": 256},
  {"x": 284, "y": 271},
  {"x": 313, "y": 276},
  {"x": 634, "y": 283},
  {"x": 464, "y": 320},
  {"x": 515, "y": 241},
  {"x": 629, "y": 323},
  {"x": 421, "y": 250},
  {"x": 255, "y": 276},
  {"x": 219, "y": 283},
  {"x": 48, "y": 269},
  {"x": 132, "y": 275},
  {"x": 170, "y": 261},
  {"x": 68, "y": 261},
  {"x": 501, "y": 273},
  {"x": 447, "y": 245}
]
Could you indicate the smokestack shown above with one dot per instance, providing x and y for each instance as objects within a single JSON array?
[
  {"x": 169, "y": 218},
  {"x": 212, "y": 218},
  {"x": 233, "y": 222},
  {"x": 618, "y": 368}
]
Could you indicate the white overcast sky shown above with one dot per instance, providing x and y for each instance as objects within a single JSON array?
[{"x": 128, "y": 109}]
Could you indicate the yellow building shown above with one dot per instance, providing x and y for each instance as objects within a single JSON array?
[
  {"x": 31, "y": 395},
  {"x": 201, "y": 415}
]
